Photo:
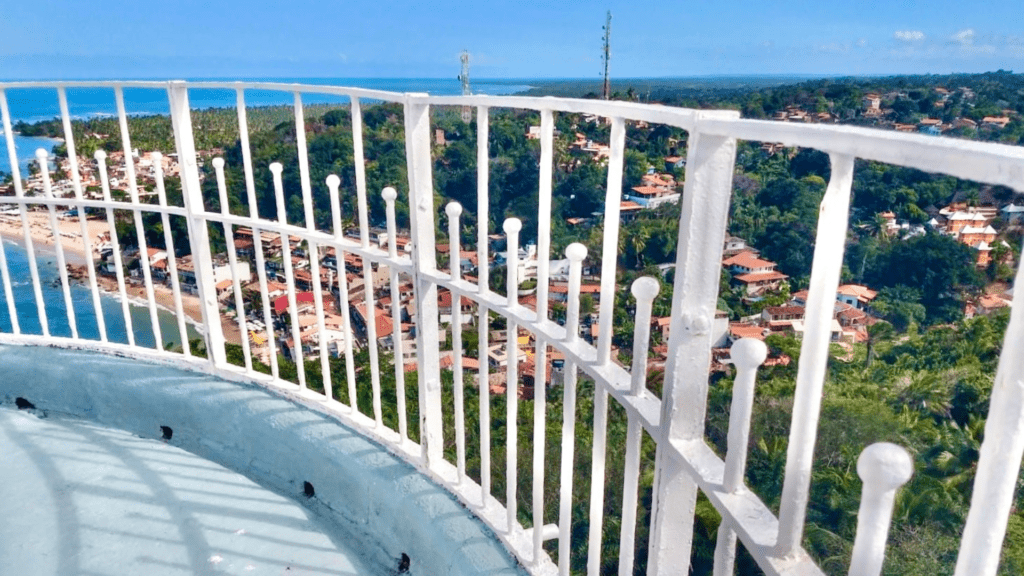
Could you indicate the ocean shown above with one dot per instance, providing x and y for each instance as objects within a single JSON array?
[
  {"x": 35, "y": 104},
  {"x": 81, "y": 297}
]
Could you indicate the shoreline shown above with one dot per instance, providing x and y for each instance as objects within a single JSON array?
[{"x": 44, "y": 245}]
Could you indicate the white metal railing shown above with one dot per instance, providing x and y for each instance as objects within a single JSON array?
[{"x": 684, "y": 463}]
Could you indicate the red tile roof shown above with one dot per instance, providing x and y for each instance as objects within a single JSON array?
[
  {"x": 743, "y": 330},
  {"x": 747, "y": 259},
  {"x": 862, "y": 293},
  {"x": 761, "y": 277},
  {"x": 281, "y": 302}
]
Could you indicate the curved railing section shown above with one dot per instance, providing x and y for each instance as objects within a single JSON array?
[{"x": 684, "y": 463}]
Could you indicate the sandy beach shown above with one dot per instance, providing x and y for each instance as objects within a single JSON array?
[{"x": 70, "y": 231}]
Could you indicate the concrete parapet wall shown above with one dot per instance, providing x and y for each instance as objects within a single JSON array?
[{"x": 371, "y": 495}]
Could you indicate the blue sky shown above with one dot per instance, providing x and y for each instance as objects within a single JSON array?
[{"x": 510, "y": 39}]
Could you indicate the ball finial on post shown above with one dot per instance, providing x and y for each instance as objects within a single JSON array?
[
  {"x": 748, "y": 353},
  {"x": 883, "y": 467},
  {"x": 645, "y": 289},
  {"x": 576, "y": 252}
]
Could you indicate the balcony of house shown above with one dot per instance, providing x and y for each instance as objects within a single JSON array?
[{"x": 341, "y": 402}]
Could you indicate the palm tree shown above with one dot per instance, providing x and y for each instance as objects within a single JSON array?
[{"x": 877, "y": 332}]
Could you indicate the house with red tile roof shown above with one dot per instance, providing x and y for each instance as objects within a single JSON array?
[
  {"x": 855, "y": 295},
  {"x": 755, "y": 274},
  {"x": 739, "y": 330}
]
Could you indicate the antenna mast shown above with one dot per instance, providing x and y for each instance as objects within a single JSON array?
[
  {"x": 467, "y": 112},
  {"x": 607, "y": 54}
]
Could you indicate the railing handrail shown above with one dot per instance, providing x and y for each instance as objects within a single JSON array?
[{"x": 685, "y": 462}]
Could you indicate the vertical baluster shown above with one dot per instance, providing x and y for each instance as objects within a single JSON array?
[
  {"x": 883, "y": 467},
  {"x": 115, "y": 246},
  {"x": 19, "y": 193},
  {"x": 540, "y": 380},
  {"x": 995, "y": 484},
  {"x": 512, "y": 227},
  {"x": 371, "y": 310},
  {"x": 286, "y": 256},
  {"x": 746, "y": 355},
  {"x": 12, "y": 310},
  {"x": 825, "y": 270},
  {"x": 483, "y": 324},
  {"x": 421, "y": 216},
  {"x": 300, "y": 143},
  {"x": 314, "y": 251},
  {"x": 172, "y": 259},
  {"x": 257, "y": 235},
  {"x": 454, "y": 210},
  {"x": 364, "y": 242},
  {"x": 702, "y": 224},
  {"x": 199, "y": 234},
  {"x": 576, "y": 253},
  {"x": 76, "y": 180},
  {"x": 644, "y": 289},
  {"x": 140, "y": 228},
  {"x": 350, "y": 371},
  {"x": 229, "y": 237},
  {"x": 390, "y": 194},
  {"x": 610, "y": 245},
  {"x": 318, "y": 306},
  {"x": 12, "y": 157},
  {"x": 43, "y": 158},
  {"x": 597, "y": 480}
]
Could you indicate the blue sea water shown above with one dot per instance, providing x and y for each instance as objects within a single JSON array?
[
  {"x": 25, "y": 148},
  {"x": 35, "y": 104},
  {"x": 81, "y": 297}
]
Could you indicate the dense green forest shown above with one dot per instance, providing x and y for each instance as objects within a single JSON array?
[
  {"x": 926, "y": 391},
  {"x": 993, "y": 92}
]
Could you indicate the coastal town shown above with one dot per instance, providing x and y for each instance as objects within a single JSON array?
[
  {"x": 372, "y": 313},
  {"x": 914, "y": 326}
]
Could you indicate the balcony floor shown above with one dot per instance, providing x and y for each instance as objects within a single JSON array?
[{"x": 79, "y": 498}]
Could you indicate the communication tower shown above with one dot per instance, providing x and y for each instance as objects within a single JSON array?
[
  {"x": 606, "y": 55},
  {"x": 467, "y": 112}
]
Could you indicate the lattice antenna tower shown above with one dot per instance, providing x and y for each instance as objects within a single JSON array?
[
  {"x": 606, "y": 55},
  {"x": 467, "y": 112}
]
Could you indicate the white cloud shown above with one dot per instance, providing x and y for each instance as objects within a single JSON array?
[
  {"x": 965, "y": 37},
  {"x": 834, "y": 48},
  {"x": 909, "y": 35},
  {"x": 862, "y": 43}
]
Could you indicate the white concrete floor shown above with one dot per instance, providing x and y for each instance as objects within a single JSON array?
[{"x": 80, "y": 499}]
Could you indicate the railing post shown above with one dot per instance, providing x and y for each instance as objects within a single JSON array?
[
  {"x": 199, "y": 235},
  {"x": 883, "y": 467},
  {"x": 995, "y": 484},
  {"x": 746, "y": 355},
  {"x": 709, "y": 171},
  {"x": 424, "y": 259},
  {"x": 826, "y": 268}
]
